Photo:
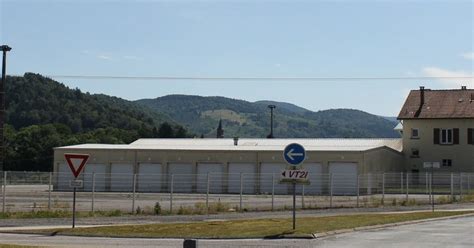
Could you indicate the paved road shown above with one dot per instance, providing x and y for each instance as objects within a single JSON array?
[{"x": 445, "y": 233}]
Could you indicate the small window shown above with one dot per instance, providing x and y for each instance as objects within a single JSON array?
[
  {"x": 415, "y": 133},
  {"x": 415, "y": 153},
  {"x": 446, "y": 136},
  {"x": 447, "y": 162}
]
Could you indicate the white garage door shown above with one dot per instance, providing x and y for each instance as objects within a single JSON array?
[
  {"x": 121, "y": 177},
  {"x": 344, "y": 178},
  {"x": 248, "y": 178},
  {"x": 183, "y": 177},
  {"x": 315, "y": 178},
  {"x": 266, "y": 172},
  {"x": 149, "y": 177},
  {"x": 99, "y": 170},
  {"x": 64, "y": 176},
  {"x": 216, "y": 177}
]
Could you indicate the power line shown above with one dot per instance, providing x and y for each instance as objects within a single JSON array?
[{"x": 195, "y": 78}]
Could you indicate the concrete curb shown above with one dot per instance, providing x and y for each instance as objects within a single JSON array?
[{"x": 374, "y": 227}]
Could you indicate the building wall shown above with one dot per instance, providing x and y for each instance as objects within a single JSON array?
[{"x": 462, "y": 155}]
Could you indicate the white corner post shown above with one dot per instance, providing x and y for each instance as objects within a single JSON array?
[
  {"x": 273, "y": 191},
  {"x": 134, "y": 187},
  {"x": 93, "y": 192},
  {"x": 171, "y": 194},
  {"x": 50, "y": 181},
  {"x": 241, "y": 190}
]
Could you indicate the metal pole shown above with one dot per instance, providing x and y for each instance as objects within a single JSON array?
[
  {"x": 330, "y": 190},
  {"x": 4, "y": 49},
  {"x": 452, "y": 186},
  {"x": 273, "y": 190},
  {"x": 431, "y": 191},
  {"x": 4, "y": 191},
  {"x": 207, "y": 193},
  {"x": 426, "y": 182},
  {"x": 383, "y": 188},
  {"x": 74, "y": 208},
  {"x": 294, "y": 205},
  {"x": 241, "y": 189},
  {"x": 134, "y": 187},
  {"x": 49, "y": 190},
  {"x": 401, "y": 182},
  {"x": 171, "y": 194},
  {"x": 93, "y": 192},
  {"x": 302, "y": 196},
  {"x": 460, "y": 186},
  {"x": 357, "y": 189},
  {"x": 407, "y": 189}
]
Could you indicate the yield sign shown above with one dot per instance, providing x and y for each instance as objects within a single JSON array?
[{"x": 76, "y": 162}]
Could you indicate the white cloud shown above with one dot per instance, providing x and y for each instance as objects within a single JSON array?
[
  {"x": 104, "y": 57},
  {"x": 468, "y": 55},
  {"x": 452, "y": 79}
]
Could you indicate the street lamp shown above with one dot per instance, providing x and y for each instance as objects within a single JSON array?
[
  {"x": 5, "y": 49},
  {"x": 271, "y": 107}
]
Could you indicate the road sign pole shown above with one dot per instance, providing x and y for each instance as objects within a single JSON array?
[
  {"x": 74, "y": 208},
  {"x": 294, "y": 206}
]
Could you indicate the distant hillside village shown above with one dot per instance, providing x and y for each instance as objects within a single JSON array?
[{"x": 436, "y": 128}]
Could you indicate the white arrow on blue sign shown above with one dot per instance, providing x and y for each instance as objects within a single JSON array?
[{"x": 294, "y": 154}]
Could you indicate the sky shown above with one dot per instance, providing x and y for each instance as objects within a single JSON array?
[{"x": 317, "y": 39}]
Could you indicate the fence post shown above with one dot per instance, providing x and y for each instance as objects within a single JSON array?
[
  {"x": 171, "y": 194},
  {"x": 134, "y": 187},
  {"x": 460, "y": 186},
  {"x": 93, "y": 192},
  {"x": 273, "y": 191},
  {"x": 469, "y": 183},
  {"x": 426, "y": 182},
  {"x": 330, "y": 190},
  {"x": 369, "y": 184},
  {"x": 383, "y": 189},
  {"x": 4, "y": 190},
  {"x": 50, "y": 181},
  {"x": 207, "y": 193},
  {"x": 407, "y": 187},
  {"x": 452, "y": 186},
  {"x": 302, "y": 196},
  {"x": 401, "y": 182},
  {"x": 241, "y": 189},
  {"x": 357, "y": 189}
]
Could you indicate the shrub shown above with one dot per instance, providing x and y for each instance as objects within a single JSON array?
[{"x": 157, "y": 209}]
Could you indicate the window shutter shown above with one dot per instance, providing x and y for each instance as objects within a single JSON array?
[
  {"x": 456, "y": 136},
  {"x": 469, "y": 136},
  {"x": 436, "y": 136}
]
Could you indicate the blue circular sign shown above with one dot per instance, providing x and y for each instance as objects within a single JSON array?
[{"x": 294, "y": 154}]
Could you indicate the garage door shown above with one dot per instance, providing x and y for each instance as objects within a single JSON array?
[
  {"x": 315, "y": 178},
  {"x": 344, "y": 177},
  {"x": 216, "y": 177},
  {"x": 121, "y": 177},
  {"x": 266, "y": 172},
  {"x": 248, "y": 178},
  {"x": 99, "y": 170},
  {"x": 149, "y": 177},
  {"x": 183, "y": 177}
]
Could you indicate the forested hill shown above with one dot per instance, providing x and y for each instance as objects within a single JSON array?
[
  {"x": 247, "y": 119},
  {"x": 42, "y": 114}
]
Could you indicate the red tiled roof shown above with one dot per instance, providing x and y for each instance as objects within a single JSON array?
[{"x": 439, "y": 104}]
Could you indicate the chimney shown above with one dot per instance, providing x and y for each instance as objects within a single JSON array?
[
  {"x": 463, "y": 88},
  {"x": 422, "y": 101},
  {"x": 236, "y": 141}
]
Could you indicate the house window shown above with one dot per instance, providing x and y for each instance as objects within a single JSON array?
[
  {"x": 447, "y": 163},
  {"x": 415, "y": 133},
  {"x": 446, "y": 136},
  {"x": 470, "y": 136},
  {"x": 415, "y": 153}
]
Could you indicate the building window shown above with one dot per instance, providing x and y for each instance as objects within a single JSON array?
[
  {"x": 415, "y": 153},
  {"x": 447, "y": 162},
  {"x": 470, "y": 136},
  {"x": 446, "y": 136},
  {"x": 415, "y": 133}
]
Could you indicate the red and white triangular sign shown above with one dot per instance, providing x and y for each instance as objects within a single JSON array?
[{"x": 76, "y": 162}]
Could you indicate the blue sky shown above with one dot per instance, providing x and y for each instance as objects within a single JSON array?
[{"x": 246, "y": 39}]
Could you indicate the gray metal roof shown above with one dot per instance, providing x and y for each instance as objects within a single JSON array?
[{"x": 248, "y": 144}]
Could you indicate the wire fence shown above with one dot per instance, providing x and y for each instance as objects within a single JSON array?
[{"x": 180, "y": 193}]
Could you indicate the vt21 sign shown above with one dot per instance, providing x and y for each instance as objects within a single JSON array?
[{"x": 294, "y": 174}]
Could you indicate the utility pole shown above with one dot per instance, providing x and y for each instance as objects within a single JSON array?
[
  {"x": 271, "y": 107},
  {"x": 5, "y": 49}
]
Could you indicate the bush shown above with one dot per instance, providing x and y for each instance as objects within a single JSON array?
[{"x": 157, "y": 209}]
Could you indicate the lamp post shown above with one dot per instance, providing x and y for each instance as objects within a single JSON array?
[
  {"x": 5, "y": 49},
  {"x": 271, "y": 107}
]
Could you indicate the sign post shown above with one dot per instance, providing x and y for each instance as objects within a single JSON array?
[
  {"x": 431, "y": 165},
  {"x": 76, "y": 163},
  {"x": 294, "y": 154}
]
